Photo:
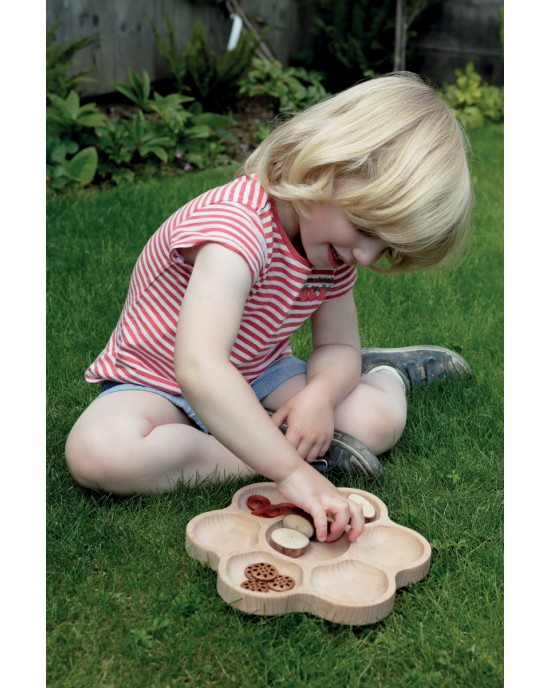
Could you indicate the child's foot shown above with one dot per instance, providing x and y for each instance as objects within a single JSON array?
[
  {"x": 417, "y": 366},
  {"x": 347, "y": 455}
]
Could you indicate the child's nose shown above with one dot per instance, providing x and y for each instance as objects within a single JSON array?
[
  {"x": 367, "y": 252},
  {"x": 365, "y": 256}
]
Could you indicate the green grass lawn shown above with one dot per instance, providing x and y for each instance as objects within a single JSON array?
[{"x": 127, "y": 607}]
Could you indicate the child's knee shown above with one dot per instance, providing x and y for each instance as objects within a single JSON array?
[
  {"x": 378, "y": 425},
  {"x": 91, "y": 462},
  {"x": 82, "y": 459},
  {"x": 388, "y": 420},
  {"x": 391, "y": 419}
]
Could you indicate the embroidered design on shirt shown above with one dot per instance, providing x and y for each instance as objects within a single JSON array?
[{"x": 316, "y": 288}]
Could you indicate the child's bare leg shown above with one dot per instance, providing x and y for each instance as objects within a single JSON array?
[
  {"x": 138, "y": 442},
  {"x": 375, "y": 412}
]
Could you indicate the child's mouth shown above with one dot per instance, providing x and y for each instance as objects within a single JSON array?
[{"x": 334, "y": 257}]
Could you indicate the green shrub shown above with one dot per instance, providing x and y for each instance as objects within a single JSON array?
[
  {"x": 349, "y": 38},
  {"x": 68, "y": 126},
  {"x": 288, "y": 89},
  {"x": 83, "y": 146},
  {"x": 138, "y": 91},
  {"x": 168, "y": 48},
  {"x": 59, "y": 57},
  {"x": 210, "y": 79},
  {"x": 167, "y": 130},
  {"x": 474, "y": 101}
]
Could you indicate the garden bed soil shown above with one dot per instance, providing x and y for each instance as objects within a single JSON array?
[{"x": 248, "y": 114}]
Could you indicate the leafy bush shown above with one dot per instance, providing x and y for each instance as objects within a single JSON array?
[
  {"x": 139, "y": 142},
  {"x": 474, "y": 101},
  {"x": 210, "y": 79},
  {"x": 168, "y": 48},
  {"x": 163, "y": 133},
  {"x": 84, "y": 146},
  {"x": 59, "y": 57},
  {"x": 349, "y": 38},
  {"x": 289, "y": 89},
  {"x": 127, "y": 142},
  {"x": 67, "y": 126},
  {"x": 167, "y": 130}
]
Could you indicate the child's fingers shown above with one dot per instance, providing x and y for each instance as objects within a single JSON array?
[
  {"x": 356, "y": 522},
  {"x": 312, "y": 492},
  {"x": 278, "y": 417},
  {"x": 338, "y": 525},
  {"x": 320, "y": 522},
  {"x": 347, "y": 517}
]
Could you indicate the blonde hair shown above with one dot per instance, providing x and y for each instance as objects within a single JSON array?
[{"x": 404, "y": 151}]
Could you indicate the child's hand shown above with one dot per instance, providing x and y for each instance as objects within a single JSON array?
[
  {"x": 309, "y": 490},
  {"x": 310, "y": 421}
]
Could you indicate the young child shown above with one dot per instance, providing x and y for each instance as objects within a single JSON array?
[{"x": 201, "y": 349}]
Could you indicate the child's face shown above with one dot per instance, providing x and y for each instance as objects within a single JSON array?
[{"x": 330, "y": 240}]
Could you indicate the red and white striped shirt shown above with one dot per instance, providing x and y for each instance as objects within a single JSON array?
[{"x": 285, "y": 290}]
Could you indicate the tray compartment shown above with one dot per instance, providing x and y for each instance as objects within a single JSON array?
[
  {"x": 236, "y": 564},
  {"x": 264, "y": 489},
  {"x": 390, "y": 546},
  {"x": 351, "y": 582},
  {"x": 219, "y": 532}
]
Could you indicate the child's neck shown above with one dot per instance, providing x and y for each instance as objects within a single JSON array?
[{"x": 290, "y": 222}]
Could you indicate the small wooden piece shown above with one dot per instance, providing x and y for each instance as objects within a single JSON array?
[
  {"x": 257, "y": 502},
  {"x": 289, "y": 542},
  {"x": 281, "y": 583},
  {"x": 369, "y": 512},
  {"x": 263, "y": 577},
  {"x": 300, "y": 523},
  {"x": 261, "y": 571},
  {"x": 255, "y": 585}
]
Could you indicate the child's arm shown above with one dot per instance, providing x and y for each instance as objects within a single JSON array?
[
  {"x": 333, "y": 370},
  {"x": 208, "y": 324}
]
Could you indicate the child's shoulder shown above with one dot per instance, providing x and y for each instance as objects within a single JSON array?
[{"x": 244, "y": 190}]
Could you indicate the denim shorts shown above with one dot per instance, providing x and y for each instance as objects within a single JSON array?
[{"x": 267, "y": 382}]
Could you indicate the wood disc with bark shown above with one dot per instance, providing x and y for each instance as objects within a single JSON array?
[{"x": 290, "y": 542}]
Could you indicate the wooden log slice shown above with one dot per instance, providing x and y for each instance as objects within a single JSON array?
[
  {"x": 369, "y": 511},
  {"x": 288, "y": 542},
  {"x": 300, "y": 523}
]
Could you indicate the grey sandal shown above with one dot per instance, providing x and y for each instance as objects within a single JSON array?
[
  {"x": 418, "y": 366},
  {"x": 345, "y": 455}
]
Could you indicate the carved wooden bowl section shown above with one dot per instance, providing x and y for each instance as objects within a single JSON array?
[{"x": 344, "y": 582}]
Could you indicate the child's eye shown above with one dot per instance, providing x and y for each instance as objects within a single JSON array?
[
  {"x": 367, "y": 232},
  {"x": 390, "y": 254}
]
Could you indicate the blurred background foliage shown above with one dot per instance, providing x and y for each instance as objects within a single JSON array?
[{"x": 192, "y": 118}]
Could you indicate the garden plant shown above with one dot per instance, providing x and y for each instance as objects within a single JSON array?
[{"x": 188, "y": 124}]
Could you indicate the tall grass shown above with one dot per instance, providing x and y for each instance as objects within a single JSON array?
[{"x": 127, "y": 606}]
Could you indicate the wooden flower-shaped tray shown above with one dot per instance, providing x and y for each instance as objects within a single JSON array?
[{"x": 345, "y": 582}]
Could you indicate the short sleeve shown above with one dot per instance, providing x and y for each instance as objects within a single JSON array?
[{"x": 232, "y": 225}]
